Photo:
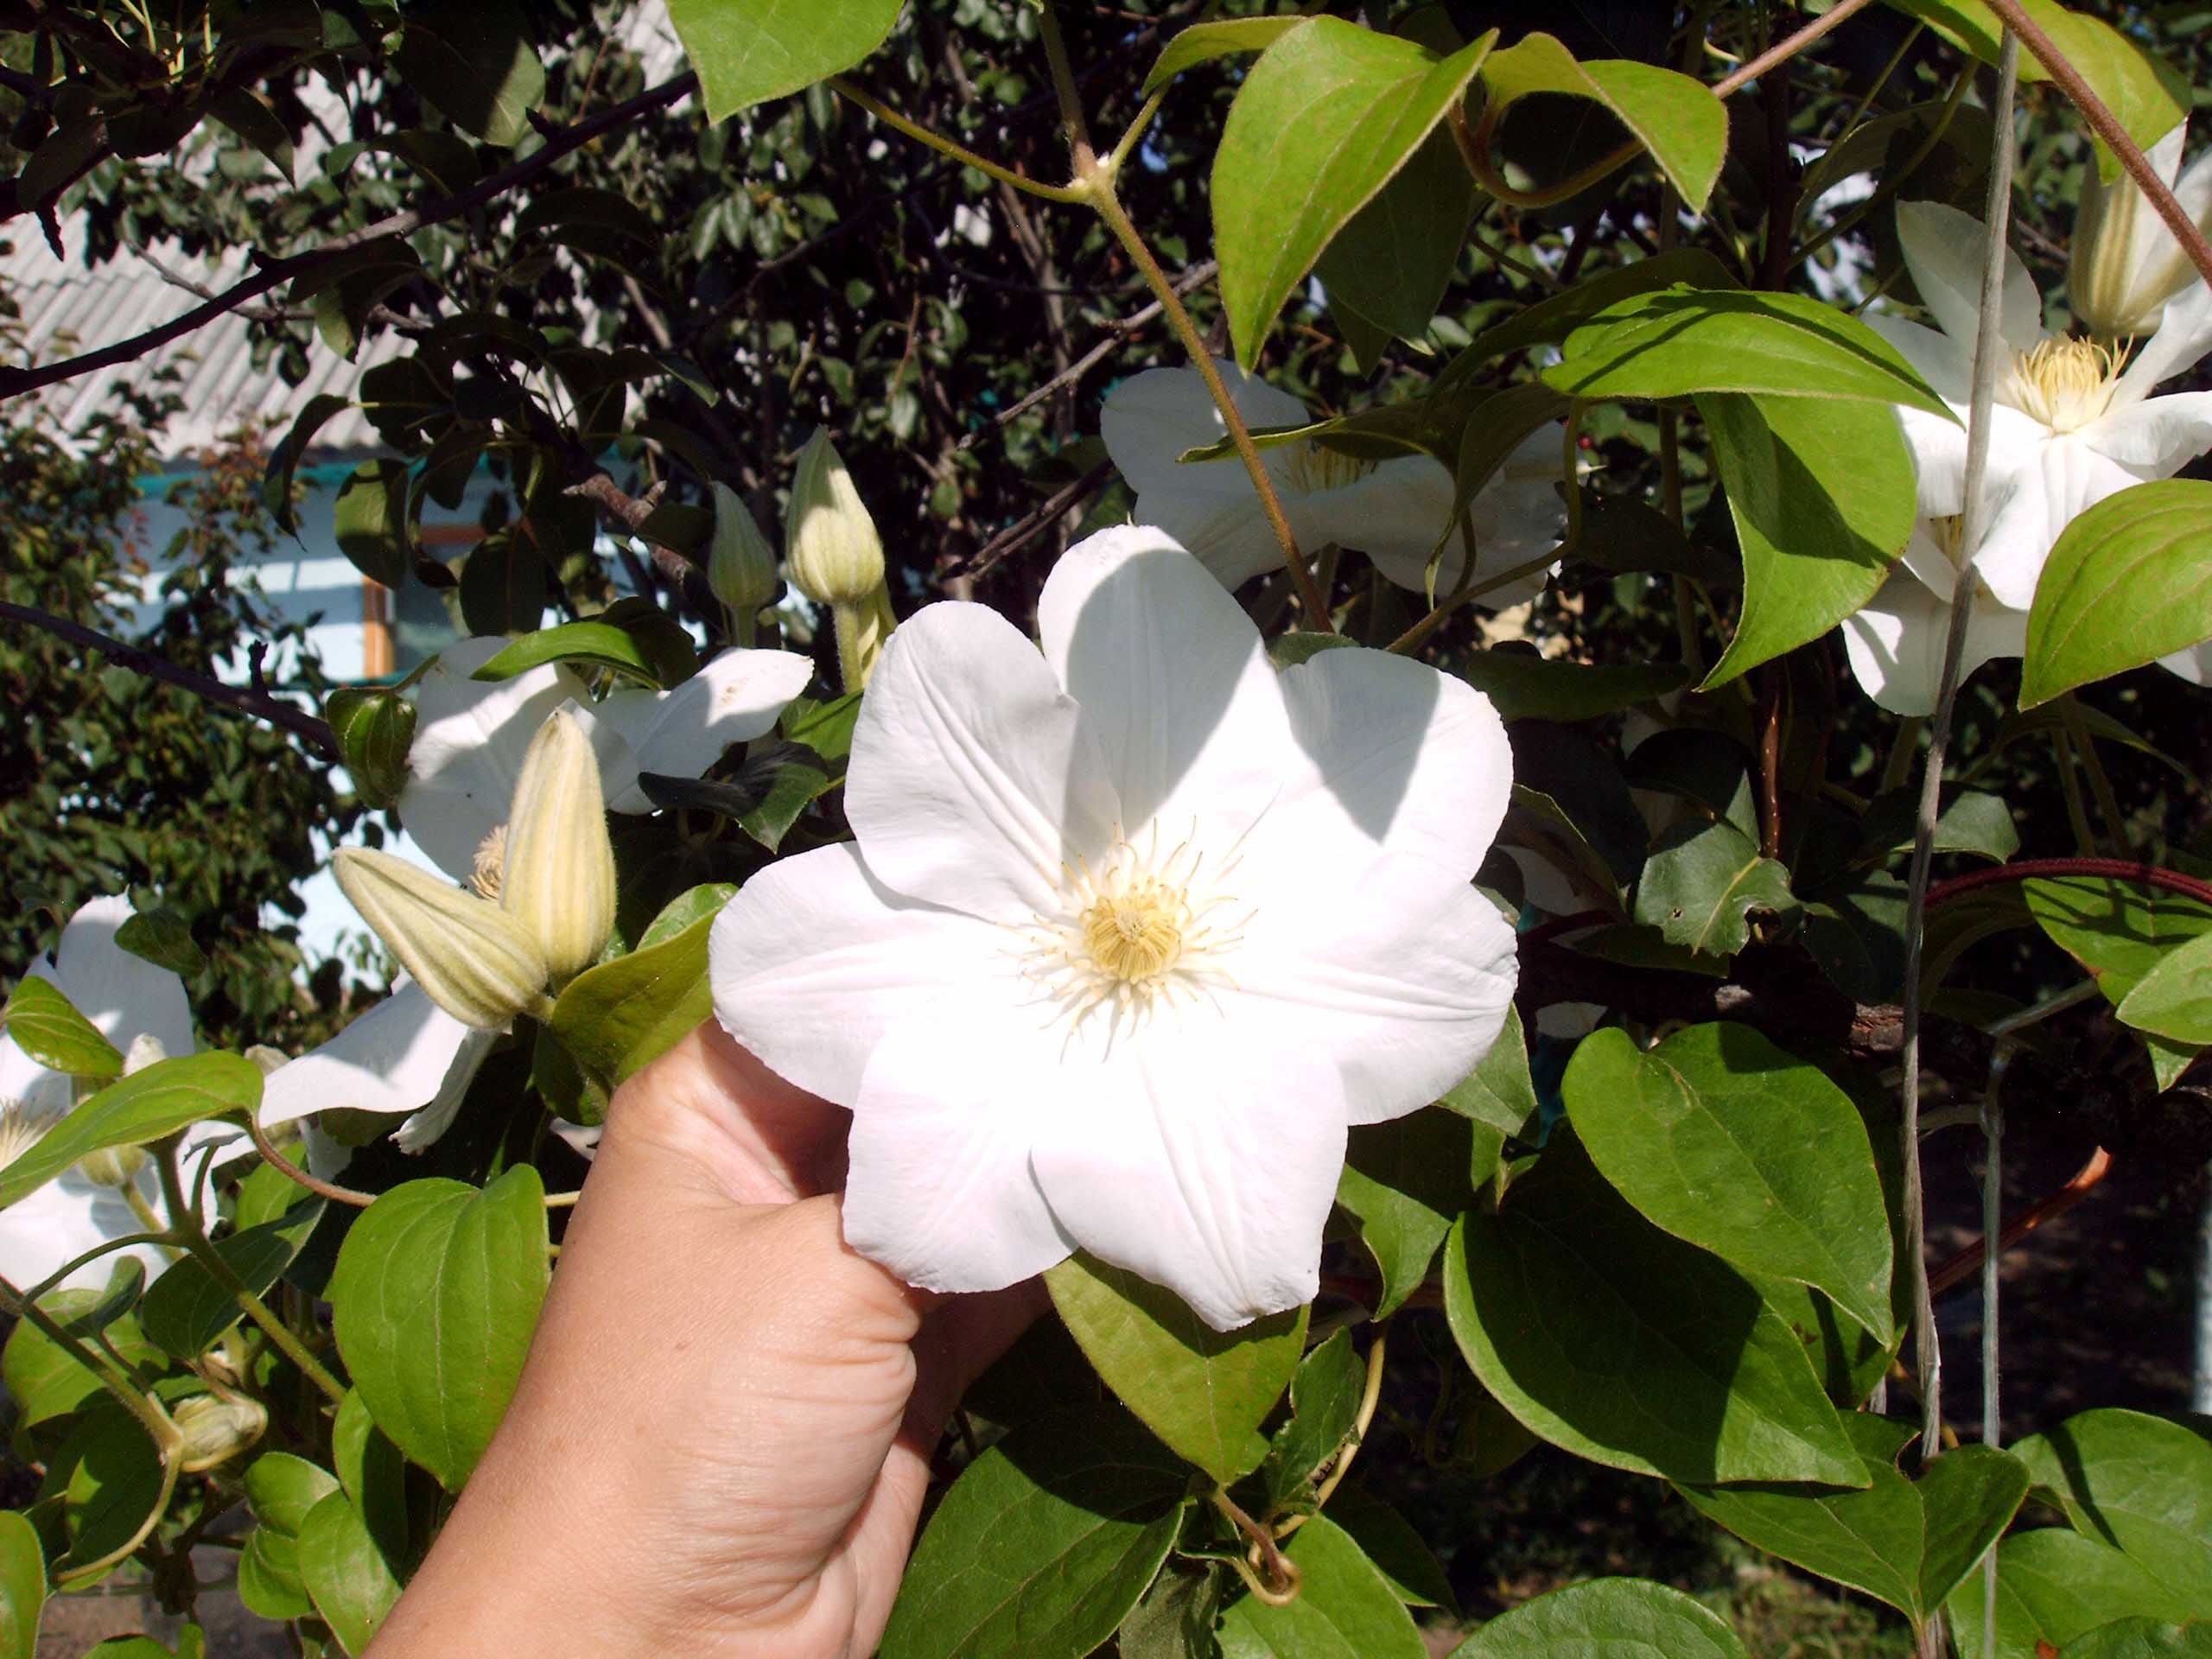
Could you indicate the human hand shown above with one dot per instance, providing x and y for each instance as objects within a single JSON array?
[{"x": 720, "y": 1444}]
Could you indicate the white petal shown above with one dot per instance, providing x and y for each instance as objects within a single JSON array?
[
  {"x": 813, "y": 961},
  {"x": 24, "y": 1083},
  {"x": 1947, "y": 365},
  {"x": 1396, "y": 515},
  {"x": 682, "y": 733},
  {"x": 1228, "y": 534},
  {"x": 1152, "y": 418},
  {"x": 2184, "y": 336},
  {"x": 973, "y": 776},
  {"x": 2057, "y": 479},
  {"x": 1896, "y": 643},
  {"x": 424, "y": 1129},
  {"x": 1929, "y": 561},
  {"x": 1939, "y": 462},
  {"x": 65, "y": 1218},
  {"x": 583, "y": 1138},
  {"x": 940, "y": 1190},
  {"x": 126, "y": 996},
  {"x": 1942, "y": 248},
  {"x": 1404, "y": 983},
  {"x": 2194, "y": 664},
  {"x": 2155, "y": 438},
  {"x": 469, "y": 741},
  {"x": 1172, "y": 679},
  {"x": 1401, "y": 759},
  {"x": 1206, "y": 1165},
  {"x": 401, "y": 1055}
]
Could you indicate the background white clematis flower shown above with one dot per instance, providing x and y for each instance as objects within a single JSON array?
[
  {"x": 471, "y": 735},
  {"x": 2070, "y": 426},
  {"x": 406, "y": 1054},
  {"x": 134, "y": 1004},
  {"x": 1132, "y": 930},
  {"x": 2124, "y": 264},
  {"x": 1392, "y": 510},
  {"x": 1894, "y": 642}
]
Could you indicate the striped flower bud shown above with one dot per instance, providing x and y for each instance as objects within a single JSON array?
[
  {"x": 471, "y": 957},
  {"x": 741, "y": 565},
  {"x": 558, "y": 880},
  {"x": 217, "y": 1428},
  {"x": 831, "y": 544}
]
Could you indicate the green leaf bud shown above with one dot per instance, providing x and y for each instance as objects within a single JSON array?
[
  {"x": 473, "y": 959},
  {"x": 217, "y": 1429},
  {"x": 830, "y": 545},
  {"x": 558, "y": 881},
  {"x": 112, "y": 1166},
  {"x": 741, "y": 565},
  {"x": 375, "y": 725}
]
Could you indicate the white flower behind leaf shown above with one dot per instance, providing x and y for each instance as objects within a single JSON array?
[
  {"x": 1895, "y": 641},
  {"x": 1132, "y": 930},
  {"x": 471, "y": 735},
  {"x": 1392, "y": 511},
  {"x": 405, "y": 1056},
  {"x": 125, "y": 997}
]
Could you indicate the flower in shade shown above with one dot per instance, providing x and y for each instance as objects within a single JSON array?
[
  {"x": 1133, "y": 929},
  {"x": 1395, "y": 511},
  {"x": 2074, "y": 421},
  {"x": 471, "y": 735}
]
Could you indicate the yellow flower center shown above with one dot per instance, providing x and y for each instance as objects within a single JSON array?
[
  {"x": 1314, "y": 469},
  {"x": 490, "y": 864},
  {"x": 1131, "y": 934},
  {"x": 2065, "y": 384}
]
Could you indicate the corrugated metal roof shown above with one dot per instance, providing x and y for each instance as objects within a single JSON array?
[{"x": 67, "y": 308}]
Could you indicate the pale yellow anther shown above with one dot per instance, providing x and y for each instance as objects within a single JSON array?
[{"x": 2065, "y": 384}]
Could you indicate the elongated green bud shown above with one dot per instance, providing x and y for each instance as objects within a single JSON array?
[
  {"x": 471, "y": 957},
  {"x": 217, "y": 1429},
  {"x": 830, "y": 545},
  {"x": 741, "y": 566},
  {"x": 558, "y": 879}
]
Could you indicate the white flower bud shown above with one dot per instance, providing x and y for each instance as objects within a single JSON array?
[
  {"x": 217, "y": 1429},
  {"x": 831, "y": 544},
  {"x": 112, "y": 1166},
  {"x": 742, "y": 566},
  {"x": 145, "y": 1050},
  {"x": 472, "y": 958},
  {"x": 2126, "y": 264},
  {"x": 558, "y": 880}
]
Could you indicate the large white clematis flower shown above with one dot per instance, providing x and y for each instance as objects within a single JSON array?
[
  {"x": 471, "y": 735},
  {"x": 137, "y": 1007},
  {"x": 406, "y": 1055},
  {"x": 2072, "y": 423},
  {"x": 2125, "y": 264},
  {"x": 1132, "y": 929},
  {"x": 1392, "y": 510},
  {"x": 1895, "y": 641}
]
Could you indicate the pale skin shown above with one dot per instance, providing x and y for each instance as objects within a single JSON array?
[{"x": 721, "y": 1439}]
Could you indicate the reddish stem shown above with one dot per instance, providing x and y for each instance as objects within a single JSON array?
[
  {"x": 2117, "y": 869},
  {"x": 1969, "y": 1261}
]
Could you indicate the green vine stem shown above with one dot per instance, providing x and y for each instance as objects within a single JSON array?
[
  {"x": 2085, "y": 749},
  {"x": 193, "y": 1238},
  {"x": 127, "y": 1241},
  {"x": 164, "y": 1433}
]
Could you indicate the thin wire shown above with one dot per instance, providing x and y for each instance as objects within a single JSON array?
[{"x": 1992, "y": 1224}]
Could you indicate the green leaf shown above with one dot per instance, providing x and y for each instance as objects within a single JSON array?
[
  {"x": 2174, "y": 1000},
  {"x": 352, "y": 1585},
  {"x": 1856, "y": 931},
  {"x": 2053, "y": 1585},
  {"x": 2142, "y": 1638},
  {"x": 23, "y": 1586},
  {"x": 1325, "y": 119},
  {"x": 1702, "y": 883},
  {"x": 2120, "y": 930},
  {"x": 372, "y": 517},
  {"x": 168, "y": 1096},
  {"x": 186, "y": 1310},
  {"x": 191, "y": 1644},
  {"x": 2143, "y": 1484},
  {"x": 435, "y": 1293},
  {"x": 1684, "y": 342},
  {"x": 1972, "y": 822},
  {"x": 1397, "y": 1552},
  {"x": 1520, "y": 684},
  {"x": 373, "y": 1472},
  {"x": 476, "y": 66},
  {"x": 2126, "y": 584},
  {"x": 375, "y": 727},
  {"x": 1605, "y": 1616},
  {"x": 1499, "y": 1091},
  {"x": 642, "y": 642},
  {"x": 1176, "y": 1617},
  {"x": 1551, "y": 319},
  {"x": 825, "y": 727},
  {"x": 108, "y": 1477},
  {"x": 618, "y": 1016},
  {"x": 282, "y": 1490},
  {"x": 1403, "y": 1182},
  {"x": 1345, "y": 1608},
  {"x": 1907, "y": 1542},
  {"x": 1044, "y": 1544},
  {"x": 1727, "y": 1141},
  {"x": 47, "y": 1027},
  {"x": 1676, "y": 118},
  {"x": 749, "y": 51},
  {"x": 1203, "y": 42},
  {"x": 1203, "y": 1391},
  {"x": 163, "y": 938},
  {"x": 1394, "y": 259},
  {"x": 1821, "y": 495},
  {"x": 278, "y": 481},
  {"x": 1623, "y": 1345},
  {"x": 43, "y": 1379},
  {"x": 1325, "y": 1398}
]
